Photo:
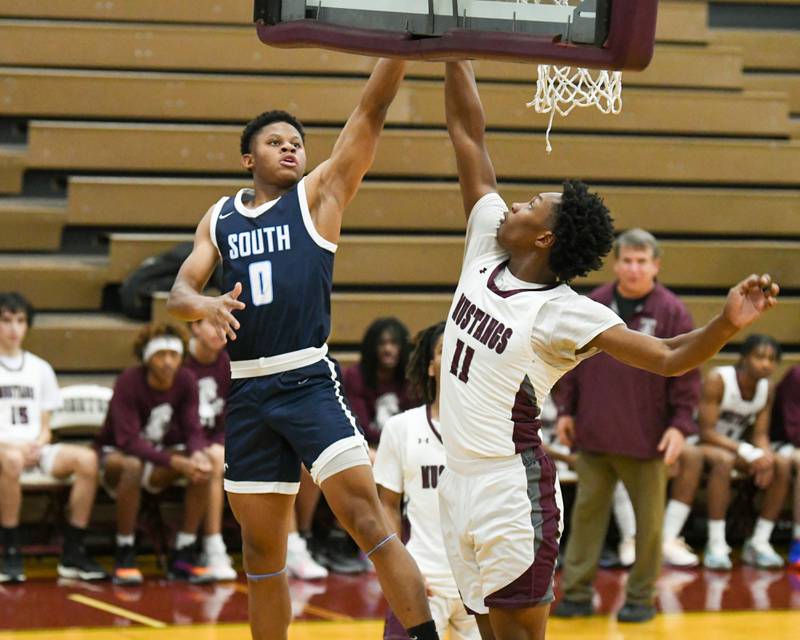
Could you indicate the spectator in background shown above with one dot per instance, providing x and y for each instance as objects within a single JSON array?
[
  {"x": 627, "y": 424},
  {"x": 736, "y": 398},
  {"x": 408, "y": 465},
  {"x": 786, "y": 434},
  {"x": 376, "y": 387},
  {"x": 152, "y": 437},
  {"x": 28, "y": 394},
  {"x": 210, "y": 363}
]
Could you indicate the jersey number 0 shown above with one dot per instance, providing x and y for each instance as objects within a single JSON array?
[{"x": 261, "y": 282}]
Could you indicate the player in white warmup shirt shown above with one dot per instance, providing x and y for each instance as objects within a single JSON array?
[
  {"x": 408, "y": 464},
  {"x": 514, "y": 328}
]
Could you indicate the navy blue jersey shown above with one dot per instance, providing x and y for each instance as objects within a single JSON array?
[{"x": 286, "y": 271}]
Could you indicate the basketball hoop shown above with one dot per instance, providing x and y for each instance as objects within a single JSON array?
[{"x": 561, "y": 89}]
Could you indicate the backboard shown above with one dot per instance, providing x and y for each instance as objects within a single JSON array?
[{"x": 609, "y": 34}]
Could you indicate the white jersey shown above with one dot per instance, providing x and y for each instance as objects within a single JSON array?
[
  {"x": 735, "y": 413},
  {"x": 506, "y": 343},
  {"x": 28, "y": 387},
  {"x": 410, "y": 460}
]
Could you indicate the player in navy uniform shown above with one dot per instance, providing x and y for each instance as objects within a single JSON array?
[{"x": 277, "y": 243}]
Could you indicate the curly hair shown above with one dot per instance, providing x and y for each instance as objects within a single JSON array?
[
  {"x": 264, "y": 119},
  {"x": 153, "y": 330},
  {"x": 584, "y": 232},
  {"x": 369, "y": 350},
  {"x": 421, "y": 386}
]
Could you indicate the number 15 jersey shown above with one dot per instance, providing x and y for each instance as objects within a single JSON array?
[
  {"x": 286, "y": 270},
  {"x": 506, "y": 343}
]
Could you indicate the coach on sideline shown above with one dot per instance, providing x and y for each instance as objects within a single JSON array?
[{"x": 629, "y": 425}]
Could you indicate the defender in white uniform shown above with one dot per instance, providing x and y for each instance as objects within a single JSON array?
[
  {"x": 28, "y": 395},
  {"x": 409, "y": 462},
  {"x": 736, "y": 399},
  {"x": 514, "y": 328}
]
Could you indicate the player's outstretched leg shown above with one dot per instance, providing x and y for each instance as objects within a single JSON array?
[
  {"x": 353, "y": 499},
  {"x": 264, "y": 518}
]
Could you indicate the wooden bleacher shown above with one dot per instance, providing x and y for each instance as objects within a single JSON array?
[{"x": 137, "y": 108}]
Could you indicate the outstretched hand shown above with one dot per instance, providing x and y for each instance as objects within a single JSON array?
[
  {"x": 749, "y": 299},
  {"x": 220, "y": 312}
]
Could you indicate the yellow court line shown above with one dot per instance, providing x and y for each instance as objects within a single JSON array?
[
  {"x": 117, "y": 611},
  {"x": 325, "y": 614}
]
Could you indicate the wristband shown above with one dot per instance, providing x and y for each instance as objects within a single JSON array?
[{"x": 749, "y": 452}]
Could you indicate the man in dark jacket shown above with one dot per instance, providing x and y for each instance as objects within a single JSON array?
[{"x": 627, "y": 424}]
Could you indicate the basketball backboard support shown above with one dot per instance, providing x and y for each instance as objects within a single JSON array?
[{"x": 609, "y": 34}]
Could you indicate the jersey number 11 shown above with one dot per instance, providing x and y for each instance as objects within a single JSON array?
[{"x": 469, "y": 352}]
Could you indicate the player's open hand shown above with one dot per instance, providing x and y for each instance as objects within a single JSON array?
[
  {"x": 749, "y": 299},
  {"x": 220, "y": 312}
]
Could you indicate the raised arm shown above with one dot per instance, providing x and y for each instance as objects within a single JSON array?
[
  {"x": 334, "y": 183},
  {"x": 186, "y": 300},
  {"x": 466, "y": 125},
  {"x": 674, "y": 356}
]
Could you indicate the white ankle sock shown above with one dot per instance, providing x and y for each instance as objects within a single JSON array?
[
  {"x": 763, "y": 531},
  {"x": 124, "y": 541},
  {"x": 184, "y": 539},
  {"x": 674, "y": 519},
  {"x": 214, "y": 543},
  {"x": 716, "y": 533}
]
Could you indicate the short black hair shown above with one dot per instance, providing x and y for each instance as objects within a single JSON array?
[
  {"x": 264, "y": 119},
  {"x": 756, "y": 340},
  {"x": 422, "y": 386},
  {"x": 369, "y": 350},
  {"x": 584, "y": 232},
  {"x": 15, "y": 303}
]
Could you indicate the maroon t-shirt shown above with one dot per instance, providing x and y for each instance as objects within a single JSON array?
[
  {"x": 786, "y": 410},
  {"x": 214, "y": 383},
  {"x": 623, "y": 410},
  {"x": 365, "y": 401},
  {"x": 142, "y": 421}
]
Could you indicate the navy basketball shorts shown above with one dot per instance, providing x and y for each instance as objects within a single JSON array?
[{"x": 276, "y": 422}]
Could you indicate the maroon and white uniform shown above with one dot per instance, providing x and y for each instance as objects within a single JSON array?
[
  {"x": 735, "y": 413},
  {"x": 506, "y": 343},
  {"x": 409, "y": 461},
  {"x": 147, "y": 423},
  {"x": 213, "y": 385}
]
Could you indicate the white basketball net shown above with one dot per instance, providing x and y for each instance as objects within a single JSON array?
[{"x": 561, "y": 89}]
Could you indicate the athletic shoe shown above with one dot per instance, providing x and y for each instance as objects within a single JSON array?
[
  {"x": 126, "y": 573},
  {"x": 678, "y": 554},
  {"x": 718, "y": 558},
  {"x": 636, "y": 612},
  {"x": 11, "y": 569},
  {"x": 185, "y": 564},
  {"x": 627, "y": 552},
  {"x": 794, "y": 554},
  {"x": 220, "y": 565},
  {"x": 339, "y": 555},
  {"x": 761, "y": 555},
  {"x": 76, "y": 564},
  {"x": 299, "y": 562},
  {"x": 572, "y": 609}
]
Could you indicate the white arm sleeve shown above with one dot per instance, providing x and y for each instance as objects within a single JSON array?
[
  {"x": 389, "y": 460},
  {"x": 484, "y": 219}
]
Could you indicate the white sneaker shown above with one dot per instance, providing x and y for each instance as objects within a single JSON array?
[
  {"x": 717, "y": 557},
  {"x": 761, "y": 555},
  {"x": 627, "y": 552},
  {"x": 300, "y": 563},
  {"x": 220, "y": 566},
  {"x": 678, "y": 554}
]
